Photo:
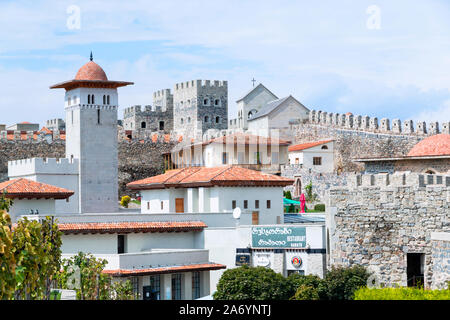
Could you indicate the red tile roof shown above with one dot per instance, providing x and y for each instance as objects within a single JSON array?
[
  {"x": 161, "y": 270},
  {"x": 231, "y": 176},
  {"x": 131, "y": 227},
  {"x": 437, "y": 145},
  {"x": 308, "y": 145},
  {"x": 91, "y": 71},
  {"x": 245, "y": 138},
  {"x": 24, "y": 188}
]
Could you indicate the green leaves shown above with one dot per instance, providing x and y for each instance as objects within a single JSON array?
[{"x": 29, "y": 257}]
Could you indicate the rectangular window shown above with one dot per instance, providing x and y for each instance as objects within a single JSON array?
[
  {"x": 196, "y": 285},
  {"x": 135, "y": 283},
  {"x": 155, "y": 284},
  {"x": 176, "y": 286},
  {"x": 162, "y": 205},
  {"x": 268, "y": 204},
  {"x": 120, "y": 243},
  {"x": 233, "y": 204},
  {"x": 245, "y": 204},
  {"x": 275, "y": 157},
  {"x": 98, "y": 116},
  {"x": 224, "y": 157},
  {"x": 256, "y": 204},
  {"x": 148, "y": 205},
  {"x": 317, "y": 161}
]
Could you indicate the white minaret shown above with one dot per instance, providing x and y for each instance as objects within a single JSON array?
[{"x": 91, "y": 104}]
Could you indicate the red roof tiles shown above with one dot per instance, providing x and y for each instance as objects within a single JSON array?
[
  {"x": 161, "y": 270},
  {"x": 231, "y": 176},
  {"x": 308, "y": 145},
  {"x": 24, "y": 188},
  {"x": 91, "y": 71},
  {"x": 437, "y": 145},
  {"x": 131, "y": 227}
]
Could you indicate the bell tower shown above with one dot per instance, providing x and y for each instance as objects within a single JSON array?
[{"x": 91, "y": 105}]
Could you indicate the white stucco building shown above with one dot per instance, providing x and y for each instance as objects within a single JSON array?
[
  {"x": 31, "y": 197},
  {"x": 183, "y": 237},
  {"x": 317, "y": 155},
  {"x": 243, "y": 149}
]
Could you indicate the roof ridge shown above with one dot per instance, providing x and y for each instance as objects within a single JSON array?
[
  {"x": 222, "y": 171},
  {"x": 185, "y": 169}
]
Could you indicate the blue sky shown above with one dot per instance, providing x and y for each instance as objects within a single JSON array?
[{"x": 323, "y": 53}]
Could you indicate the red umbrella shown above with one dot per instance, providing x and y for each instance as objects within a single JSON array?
[{"x": 302, "y": 203}]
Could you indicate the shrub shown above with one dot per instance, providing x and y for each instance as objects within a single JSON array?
[
  {"x": 401, "y": 294},
  {"x": 319, "y": 207},
  {"x": 301, "y": 287},
  {"x": 251, "y": 283},
  {"x": 125, "y": 201},
  {"x": 305, "y": 292},
  {"x": 341, "y": 283}
]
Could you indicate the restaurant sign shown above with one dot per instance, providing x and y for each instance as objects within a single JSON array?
[{"x": 278, "y": 237}]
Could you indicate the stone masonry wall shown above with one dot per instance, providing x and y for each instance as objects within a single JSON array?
[
  {"x": 441, "y": 260},
  {"x": 137, "y": 159},
  {"x": 377, "y": 219},
  {"x": 353, "y": 144}
]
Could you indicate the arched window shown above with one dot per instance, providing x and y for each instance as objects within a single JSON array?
[
  {"x": 93, "y": 99},
  {"x": 104, "y": 99},
  {"x": 430, "y": 171},
  {"x": 250, "y": 115},
  {"x": 206, "y": 119},
  {"x": 205, "y": 102},
  {"x": 89, "y": 99},
  {"x": 107, "y": 99},
  {"x": 68, "y": 101},
  {"x": 181, "y": 120},
  {"x": 161, "y": 125},
  {"x": 143, "y": 125},
  {"x": 324, "y": 148},
  {"x": 217, "y": 119},
  {"x": 189, "y": 119},
  {"x": 216, "y": 102}
]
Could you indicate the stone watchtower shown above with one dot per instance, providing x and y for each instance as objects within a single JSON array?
[
  {"x": 91, "y": 104},
  {"x": 199, "y": 106}
]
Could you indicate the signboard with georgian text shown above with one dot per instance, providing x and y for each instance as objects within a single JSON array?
[{"x": 278, "y": 237}]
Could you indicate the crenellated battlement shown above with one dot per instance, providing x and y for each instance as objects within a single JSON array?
[
  {"x": 32, "y": 136},
  {"x": 398, "y": 179},
  {"x": 201, "y": 84},
  {"x": 373, "y": 124},
  {"x": 32, "y": 166}
]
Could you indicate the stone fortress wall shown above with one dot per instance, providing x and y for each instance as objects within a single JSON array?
[
  {"x": 31, "y": 136},
  {"x": 158, "y": 117},
  {"x": 377, "y": 219},
  {"x": 356, "y": 137},
  {"x": 137, "y": 159}
]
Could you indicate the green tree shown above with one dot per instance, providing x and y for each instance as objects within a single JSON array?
[
  {"x": 36, "y": 246},
  {"x": 309, "y": 195},
  {"x": 252, "y": 283},
  {"x": 341, "y": 283},
  {"x": 7, "y": 258},
  {"x": 84, "y": 273}
]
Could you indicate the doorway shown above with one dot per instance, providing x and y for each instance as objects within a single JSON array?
[
  {"x": 179, "y": 205},
  {"x": 255, "y": 217},
  {"x": 415, "y": 269}
]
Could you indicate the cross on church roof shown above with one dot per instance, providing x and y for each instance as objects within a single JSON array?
[
  {"x": 91, "y": 58},
  {"x": 253, "y": 80}
]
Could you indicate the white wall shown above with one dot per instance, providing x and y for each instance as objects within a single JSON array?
[
  {"x": 23, "y": 207},
  {"x": 218, "y": 199},
  {"x": 306, "y": 158}
]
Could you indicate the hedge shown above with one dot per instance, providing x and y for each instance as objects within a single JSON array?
[{"x": 401, "y": 294}]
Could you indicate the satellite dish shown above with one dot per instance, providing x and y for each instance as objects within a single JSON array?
[{"x": 237, "y": 213}]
